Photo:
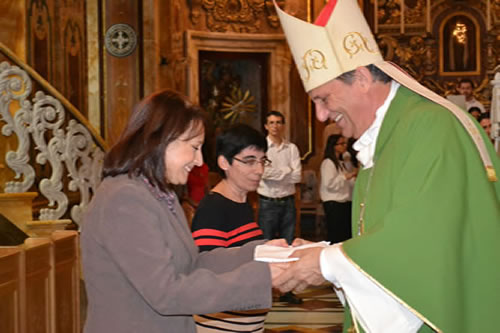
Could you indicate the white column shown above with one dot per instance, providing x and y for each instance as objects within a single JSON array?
[{"x": 495, "y": 110}]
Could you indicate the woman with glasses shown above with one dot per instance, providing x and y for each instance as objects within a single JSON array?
[
  {"x": 225, "y": 218},
  {"x": 337, "y": 182}
]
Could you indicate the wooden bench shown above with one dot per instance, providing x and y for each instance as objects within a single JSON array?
[{"x": 39, "y": 285}]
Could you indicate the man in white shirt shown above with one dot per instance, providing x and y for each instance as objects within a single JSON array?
[
  {"x": 277, "y": 215},
  {"x": 425, "y": 204},
  {"x": 465, "y": 87}
]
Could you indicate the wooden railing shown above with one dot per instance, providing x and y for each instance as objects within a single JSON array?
[{"x": 47, "y": 147}]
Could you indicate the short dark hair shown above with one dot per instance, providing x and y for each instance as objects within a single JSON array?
[
  {"x": 474, "y": 108},
  {"x": 155, "y": 122},
  {"x": 276, "y": 114},
  {"x": 466, "y": 80},
  {"x": 485, "y": 115},
  {"x": 377, "y": 73},
  {"x": 235, "y": 139}
]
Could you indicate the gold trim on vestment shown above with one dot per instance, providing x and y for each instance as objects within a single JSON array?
[
  {"x": 387, "y": 291},
  {"x": 492, "y": 175}
]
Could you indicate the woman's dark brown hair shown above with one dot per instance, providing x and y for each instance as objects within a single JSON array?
[
  {"x": 330, "y": 151},
  {"x": 155, "y": 122}
]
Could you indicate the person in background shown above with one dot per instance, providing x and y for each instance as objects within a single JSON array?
[
  {"x": 465, "y": 87},
  {"x": 197, "y": 183},
  {"x": 225, "y": 218},
  {"x": 475, "y": 112},
  {"x": 337, "y": 182},
  {"x": 330, "y": 128},
  {"x": 485, "y": 123},
  {"x": 426, "y": 213},
  {"x": 143, "y": 271},
  {"x": 277, "y": 214},
  {"x": 351, "y": 153}
]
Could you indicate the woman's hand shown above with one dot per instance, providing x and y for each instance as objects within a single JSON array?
[
  {"x": 300, "y": 241},
  {"x": 278, "y": 242}
]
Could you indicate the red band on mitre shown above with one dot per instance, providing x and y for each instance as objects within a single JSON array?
[{"x": 325, "y": 14}]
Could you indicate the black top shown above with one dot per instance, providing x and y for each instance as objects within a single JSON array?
[{"x": 221, "y": 222}]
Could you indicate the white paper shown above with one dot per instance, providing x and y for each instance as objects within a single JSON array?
[{"x": 272, "y": 253}]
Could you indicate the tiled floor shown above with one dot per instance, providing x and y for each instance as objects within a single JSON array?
[{"x": 320, "y": 312}]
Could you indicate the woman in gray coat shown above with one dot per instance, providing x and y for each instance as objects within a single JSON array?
[{"x": 142, "y": 270}]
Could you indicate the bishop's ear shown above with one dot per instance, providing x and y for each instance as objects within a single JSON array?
[{"x": 364, "y": 77}]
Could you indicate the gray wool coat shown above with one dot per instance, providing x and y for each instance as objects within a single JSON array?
[{"x": 143, "y": 272}]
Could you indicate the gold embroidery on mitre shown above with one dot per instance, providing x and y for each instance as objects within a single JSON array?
[
  {"x": 313, "y": 59},
  {"x": 355, "y": 42}
]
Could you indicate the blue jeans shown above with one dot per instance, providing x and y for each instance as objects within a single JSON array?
[{"x": 277, "y": 218}]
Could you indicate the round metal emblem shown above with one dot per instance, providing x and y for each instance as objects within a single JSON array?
[{"x": 120, "y": 40}]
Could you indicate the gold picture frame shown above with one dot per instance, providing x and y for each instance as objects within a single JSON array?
[{"x": 460, "y": 45}]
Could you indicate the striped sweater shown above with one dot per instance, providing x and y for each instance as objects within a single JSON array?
[{"x": 221, "y": 222}]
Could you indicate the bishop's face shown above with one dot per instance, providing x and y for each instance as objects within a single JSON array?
[{"x": 344, "y": 103}]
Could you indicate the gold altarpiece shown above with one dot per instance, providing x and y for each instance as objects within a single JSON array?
[{"x": 440, "y": 42}]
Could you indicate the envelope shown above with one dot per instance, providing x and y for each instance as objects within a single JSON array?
[{"x": 271, "y": 253}]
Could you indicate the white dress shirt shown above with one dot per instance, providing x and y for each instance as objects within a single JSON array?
[
  {"x": 285, "y": 171},
  {"x": 334, "y": 186}
]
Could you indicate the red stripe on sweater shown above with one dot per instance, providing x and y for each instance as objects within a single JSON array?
[
  {"x": 226, "y": 243},
  {"x": 325, "y": 13},
  {"x": 223, "y": 234}
]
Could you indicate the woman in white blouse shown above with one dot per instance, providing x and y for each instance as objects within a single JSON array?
[{"x": 337, "y": 181}]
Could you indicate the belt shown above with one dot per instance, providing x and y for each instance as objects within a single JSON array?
[{"x": 276, "y": 199}]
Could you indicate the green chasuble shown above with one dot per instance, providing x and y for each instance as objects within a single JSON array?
[{"x": 432, "y": 219}]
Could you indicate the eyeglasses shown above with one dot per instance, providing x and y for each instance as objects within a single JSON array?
[{"x": 251, "y": 162}]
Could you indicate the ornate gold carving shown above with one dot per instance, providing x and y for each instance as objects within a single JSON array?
[
  {"x": 415, "y": 54},
  {"x": 415, "y": 13},
  {"x": 389, "y": 12},
  {"x": 235, "y": 15},
  {"x": 313, "y": 60},
  {"x": 355, "y": 42},
  {"x": 418, "y": 56},
  {"x": 495, "y": 11},
  {"x": 272, "y": 17}
]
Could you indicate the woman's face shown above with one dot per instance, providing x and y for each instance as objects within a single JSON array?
[
  {"x": 183, "y": 154},
  {"x": 245, "y": 176},
  {"x": 341, "y": 146}
]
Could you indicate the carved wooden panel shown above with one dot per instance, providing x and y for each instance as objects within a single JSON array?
[
  {"x": 67, "y": 281},
  {"x": 40, "y": 38},
  {"x": 11, "y": 290},
  {"x": 13, "y": 26},
  {"x": 39, "y": 285},
  {"x": 122, "y": 72},
  {"x": 57, "y": 46}
]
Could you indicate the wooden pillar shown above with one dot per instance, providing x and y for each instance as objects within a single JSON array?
[{"x": 122, "y": 63}]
